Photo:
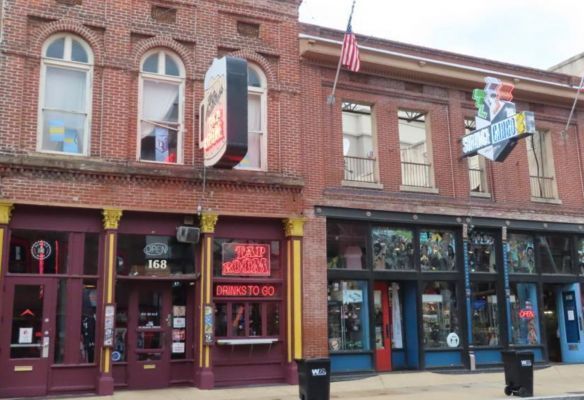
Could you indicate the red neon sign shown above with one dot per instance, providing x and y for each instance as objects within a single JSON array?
[
  {"x": 526, "y": 314},
  {"x": 245, "y": 290},
  {"x": 246, "y": 259}
]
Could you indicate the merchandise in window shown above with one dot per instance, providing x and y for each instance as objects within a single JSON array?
[
  {"x": 524, "y": 314},
  {"x": 485, "y": 311},
  {"x": 88, "y": 321},
  {"x": 393, "y": 249},
  {"x": 348, "y": 321},
  {"x": 521, "y": 254},
  {"x": 38, "y": 252},
  {"x": 437, "y": 251},
  {"x": 482, "y": 255},
  {"x": 555, "y": 254},
  {"x": 440, "y": 316},
  {"x": 346, "y": 244}
]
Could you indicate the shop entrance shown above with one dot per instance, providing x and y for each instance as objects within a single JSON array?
[
  {"x": 382, "y": 309},
  {"x": 28, "y": 335},
  {"x": 551, "y": 322}
]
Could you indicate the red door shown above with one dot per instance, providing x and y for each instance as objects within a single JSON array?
[
  {"x": 382, "y": 326},
  {"x": 27, "y": 336},
  {"x": 149, "y": 336}
]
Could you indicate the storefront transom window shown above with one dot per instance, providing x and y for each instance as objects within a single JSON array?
[
  {"x": 393, "y": 249},
  {"x": 437, "y": 250}
]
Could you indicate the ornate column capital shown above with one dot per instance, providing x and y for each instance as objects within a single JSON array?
[
  {"x": 294, "y": 226},
  {"x": 208, "y": 222},
  {"x": 5, "y": 212},
  {"x": 111, "y": 218}
]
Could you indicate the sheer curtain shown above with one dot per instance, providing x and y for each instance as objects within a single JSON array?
[
  {"x": 159, "y": 123},
  {"x": 254, "y": 126}
]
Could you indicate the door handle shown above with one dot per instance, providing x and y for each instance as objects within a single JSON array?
[{"x": 46, "y": 344}]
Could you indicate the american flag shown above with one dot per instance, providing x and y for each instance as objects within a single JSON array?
[{"x": 350, "y": 52}]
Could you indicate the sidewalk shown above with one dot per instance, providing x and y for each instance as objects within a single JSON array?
[{"x": 557, "y": 381}]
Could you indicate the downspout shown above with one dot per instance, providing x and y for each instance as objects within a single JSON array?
[{"x": 450, "y": 150}]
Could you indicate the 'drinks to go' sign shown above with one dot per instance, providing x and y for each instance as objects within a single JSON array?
[{"x": 498, "y": 125}]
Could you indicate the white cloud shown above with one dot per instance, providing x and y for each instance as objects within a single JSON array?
[{"x": 534, "y": 33}]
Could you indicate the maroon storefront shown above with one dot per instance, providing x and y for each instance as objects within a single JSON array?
[{"x": 100, "y": 300}]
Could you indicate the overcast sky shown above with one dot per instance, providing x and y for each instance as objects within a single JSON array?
[{"x": 534, "y": 33}]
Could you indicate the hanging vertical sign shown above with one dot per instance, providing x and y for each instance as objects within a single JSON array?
[
  {"x": 223, "y": 113},
  {"x": 498, "y": 125}
]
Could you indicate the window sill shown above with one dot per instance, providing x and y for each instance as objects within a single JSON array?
[
  {"x": 243, "y": 342},
  {"x": 547, "y": 201},
  {"x": 419, "y": 189},
  {"x": 483, "y": 195},
  {"x": 364, "y": 185}
]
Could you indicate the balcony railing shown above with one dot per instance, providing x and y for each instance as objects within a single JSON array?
[
  {"x": 477, "y": 180},
  {"x": 360, "y": 169},
  {"x": 543, "y": 187},
  {"x": 416, "y": 174}
]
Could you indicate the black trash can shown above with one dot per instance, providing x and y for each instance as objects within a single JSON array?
[
  {"x": 314, "y": 378},
  {"x": 518, "y": 373}
]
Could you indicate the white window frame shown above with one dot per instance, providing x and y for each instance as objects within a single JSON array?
[
  {"x": 263, "y": 93},
  {"x": 161, "y": 77},
  {"x": 66, "y": 63}
]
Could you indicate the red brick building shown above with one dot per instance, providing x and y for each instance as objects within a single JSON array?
[{"x": 379, "y": 245}]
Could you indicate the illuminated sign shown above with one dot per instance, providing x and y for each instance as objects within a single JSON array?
[
  {"x": 498, "y": 125},
  {"x": 237, "y": 290},
  {"x": 223, "y": 113},
  {"x": 246, "y": 259},
  {"x": 526, "y": 314}
]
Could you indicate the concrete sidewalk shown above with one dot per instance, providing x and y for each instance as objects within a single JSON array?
[{"x": 557, "y": 381}]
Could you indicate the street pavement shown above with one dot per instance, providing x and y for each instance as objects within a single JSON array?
[{"x": 554, "y": 382}]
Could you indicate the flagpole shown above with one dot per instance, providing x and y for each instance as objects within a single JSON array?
[
  {"x": 565, "y": 131},
  {"x": 331, "y": 98}
]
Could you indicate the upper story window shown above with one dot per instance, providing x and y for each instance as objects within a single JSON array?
[
  {"x": 541, "y": 166},
  {"x": 161, "y": 114},
  {"x": 257, "y": 121},
  {"x": 415, "y": 149},
  {"x": 65, "y": 95},
  {"x": 477, "y": 166},
  {"x": 358, "y": 143}
]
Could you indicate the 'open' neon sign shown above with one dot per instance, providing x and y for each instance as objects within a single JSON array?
[{"x": 246, "y": 259}]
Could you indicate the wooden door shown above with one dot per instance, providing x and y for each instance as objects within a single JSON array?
[
  {"x": 27, "y": 336},
  {"x": 382, "y": 326}
]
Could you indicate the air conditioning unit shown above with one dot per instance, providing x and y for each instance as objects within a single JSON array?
[{"x": 188, "y": 234}]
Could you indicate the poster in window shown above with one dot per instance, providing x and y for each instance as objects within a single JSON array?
[
  {"x": 178, "y": 347},
  {"x": 25, "y": 335},
  {"x": 208, "y": 324},
  {"x": 109, "y": 322},
  {"x": 178, "y": 322}
]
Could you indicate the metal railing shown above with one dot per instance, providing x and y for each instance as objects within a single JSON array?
[
  {"x": 360, "y": 169},
  {"x": 416, "y": 174},
  {"x": 477, "y": 180},
  {"x": 543, "y": 187}
]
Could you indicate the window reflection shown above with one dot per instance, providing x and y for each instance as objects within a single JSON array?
[
  {"x": 437, "y": 250},
  {"x": 393, "y": 249},
  {"x": 482, "y": 252},
  {"x": 521, "y": 254},
  {"x": 346, "y": 244}
]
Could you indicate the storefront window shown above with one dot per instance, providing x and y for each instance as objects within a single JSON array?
[
  {"x": 151, "y": 255},
  {"x": 348, "y": 322},
  {"x": 481, "y": 252},
  {"x": 580, "y": 250},
  {"x": 437, "y": 250},
  {"x": 37, "y": 252},
  {"x": 485, "y": 311},
  {"x": 119, "y": 352},
  {"x": 555, "y": 254},
  {"x": 88, "y": 321},
  {"x": 346, "y": 244},
  {"x": 393, "y": 249},
  {"x": 521, "y": 255},
  {"x": 440, "y": 316},
  {"x": 91, "y": 254},
  {"x": 524, "y": 314},
  {"x": 243, "y": 319},
  {"x": 179, "y": 318}
]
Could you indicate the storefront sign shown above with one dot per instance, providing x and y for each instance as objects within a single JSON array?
[
  {"x": 41, "y": 250},
  {"x": 245, "y": 290},
  {"x": 352, "y": 296},
  {"x": 452, "y": 339},
  {"x": 209, "y": 322},
  {"x": 498, "y": 125},
  {"x": 223, "y": 113},
  {"x": 155, "y": 249},
  {"x": 246, "y": 259},
  {"x": 526, "y": 314},
  {"x": 109, "y": 319}
]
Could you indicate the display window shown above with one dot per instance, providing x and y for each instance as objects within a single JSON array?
[
  {"x": 437, "y": 251},
  {"x": 580, "y": 254},
  {"x": 38, "y": 252},
  {"x": 154, "y": 255},
  {"x": 346, "y": 245},
  {"x": 393, "y": 249},
  {"x": 524, "y": 314},
  {"x": 555, "y": 254},
  {"x": 440, "y": 316},
  {"x": 485, "y": 314},
  {"x": 521, "y": 254},
  {"x": 247, "y": 319},
  {"x": 482, "y": 254},
  {"x": 348, "y": 321}
]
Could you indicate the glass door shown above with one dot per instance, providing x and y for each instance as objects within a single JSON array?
[
  {"x": 382, "y": 309},
  {"x": 27, "y": 335}
]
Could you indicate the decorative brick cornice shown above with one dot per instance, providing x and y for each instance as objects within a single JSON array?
[
  {"x": 255, "y": 58},
  {"x": 71, "y": 26},
  {"x": 167, "y": 42}
]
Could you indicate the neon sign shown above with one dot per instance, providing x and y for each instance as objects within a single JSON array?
[
  {"x": 245, "y": 290},
  {"x": 526, "y": 314},
  {"x": 246, "y": 259},
  {"x": 498, "y": 124}
]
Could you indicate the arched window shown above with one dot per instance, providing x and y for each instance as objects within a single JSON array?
[
  {"x": 65, "y": 95},
  {"x": 256, "y": 157},
  {"x": 160, "y": 128}
]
